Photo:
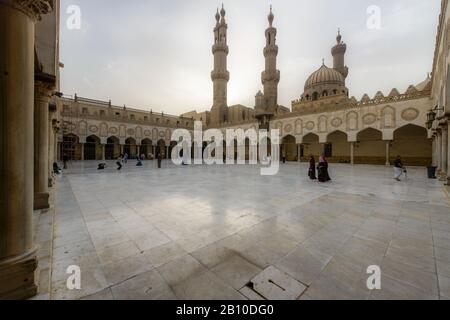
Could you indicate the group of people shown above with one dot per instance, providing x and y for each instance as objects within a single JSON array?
[
  {"x": 322, "y": 169},
  {"x": 323, "y": 175},
  {"x": 123, "y": 158}
]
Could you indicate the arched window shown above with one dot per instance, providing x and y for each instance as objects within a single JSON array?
[{"x": 315, "y": 96}]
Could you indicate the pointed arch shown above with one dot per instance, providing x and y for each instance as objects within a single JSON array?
[{"x": 412, "y": 144}]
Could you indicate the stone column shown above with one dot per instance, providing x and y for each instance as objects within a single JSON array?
[
  {"x": 121, "y": 149},
  {"x": 388, "y": 149},
  {"x": 17, "y": 251},
  {"x": 433, "y": 151},
  {"x": 103, "y": 152},
  {"x": 352, "y": 153},
  {"x": 42, "y": 97},
  {"x": 444, "y": 152},
  {"x": 438, "y": 150},
  {"x": 448, "y": 152},
  {"x": 82, "y": 151},
  {"x": 299, "y": 152},
  {"x": 51, "y": 150}
]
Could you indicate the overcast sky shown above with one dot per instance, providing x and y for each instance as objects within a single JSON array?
[{"x": 157, "y": 54}]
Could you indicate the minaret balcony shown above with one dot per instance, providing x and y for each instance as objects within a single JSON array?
[
  {"x": 220, "y": 47},
  {"x": 271, "y": 76},
  {"x": 271, "y": 50},
  {"x": 220, "y": 75},
  {"x": 339, "y": 49}
]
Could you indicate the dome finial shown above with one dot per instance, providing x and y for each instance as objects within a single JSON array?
[
  {"x": 323, "y": 61},
  {"x": 222, "y": 11},
  {"x": 271, "y": 16}
]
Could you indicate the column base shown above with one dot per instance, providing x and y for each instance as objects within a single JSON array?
[
  {"x": 17, "y": 277},
  {"x": 41, "y": 201}
]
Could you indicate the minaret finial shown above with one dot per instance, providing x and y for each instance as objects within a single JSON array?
[
  {"x": 339, "y": 37},
  {"x": 223, "y": 12},
  {"x": 271, "y": 17},
  {"x": 217, "y": 15},
  {"x": 323, "y": 61}
]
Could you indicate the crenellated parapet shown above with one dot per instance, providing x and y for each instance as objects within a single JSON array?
[{"x": 32, "y": 8}]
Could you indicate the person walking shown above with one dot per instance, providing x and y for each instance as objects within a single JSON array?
[
  {"x": 323, "y": 169},
  {"x": 119, "y": 162},
  {"x": 125, "y": 158},
  {"x": 160, "y": 157},
  {"x": 312, "y": 168},
  {"x": 398, "y": 168}
]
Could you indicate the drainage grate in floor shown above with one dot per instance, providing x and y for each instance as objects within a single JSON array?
[{"x": 273, "y": 284}]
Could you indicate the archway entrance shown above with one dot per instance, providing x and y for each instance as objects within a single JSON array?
[
  {"x": 161, "y": 148},
  {"x": 311, "y": 146},
  {"x": 130, "y": 148},
  {"x": 92, "y": 150},
  {"x": 370, "y": 147},
  {"x": 112, "y": 148},
  {"x": 146, "y": 149},
  {"x": 71, "y": 148},
  {"x": 338, "y": 148},
  {"x": 412, "y": 144},
  {"x": 289, "y": 148}
]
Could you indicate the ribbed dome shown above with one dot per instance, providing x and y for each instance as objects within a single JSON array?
[{"x": 324, "y": 75}]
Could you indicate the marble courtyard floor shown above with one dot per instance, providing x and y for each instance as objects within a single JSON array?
[{"x": 200, "y": 232}]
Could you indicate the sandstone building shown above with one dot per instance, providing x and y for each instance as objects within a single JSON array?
[{"x": 39, "y": 126}]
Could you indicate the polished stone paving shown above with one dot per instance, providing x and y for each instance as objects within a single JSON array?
[{"x": 226, "y": 232}]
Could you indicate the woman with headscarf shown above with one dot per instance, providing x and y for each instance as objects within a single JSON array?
[
  {"x": 312, "y": 168},
  {"x": 322, "y": 169}
]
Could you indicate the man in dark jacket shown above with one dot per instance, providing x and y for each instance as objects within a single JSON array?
[{"x": 398, "y": 168}]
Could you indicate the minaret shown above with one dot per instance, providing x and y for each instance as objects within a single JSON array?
[
  {"x": 338, "y": 52},
  {"x": 220, "y": 75},
  {"x": 271, "y": 76}
]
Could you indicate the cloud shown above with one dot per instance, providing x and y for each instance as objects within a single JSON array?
[{"x": 157, "y": 54}]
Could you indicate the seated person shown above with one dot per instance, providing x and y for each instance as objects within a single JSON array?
[
  {"x": 101, "y": 166},
  {"x": 56, "y": 168}
]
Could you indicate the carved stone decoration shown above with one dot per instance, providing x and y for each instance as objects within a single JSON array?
[
  {"x": 323, "y": 126},
  {"x": 279, "y": 126},
  {"x": 298, "y": 126},
  {"x": 122, "y": 131},
  {"x": 147, "y": 133},
  {"x": 130, "y": 132},
  {"x": 369, "y": 119},
  {"x": 103, "y": 129},
  {"x": 113, "y": 130},
  {"x": 82, "y": 128},
  {"x": 336, "y": 122},
  {"x": 138, "y": 132},
  {"x": 352, "y": 121},
  {"x": 168, "y": 135},
  {"x": 162, "y": 134},
  {"x": 93, "y": 129},
  {"x": 410, "y": 114},
  {"x": 32, "y": 8},
  {"x": 155, "y": 134},
  {"x": 288, "y": 128},
  {"x": 310, "y": 125},
  {"x": 388, "y": 117}
]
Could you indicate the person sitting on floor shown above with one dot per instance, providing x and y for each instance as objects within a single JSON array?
[{"x": 101, "y": 166}]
